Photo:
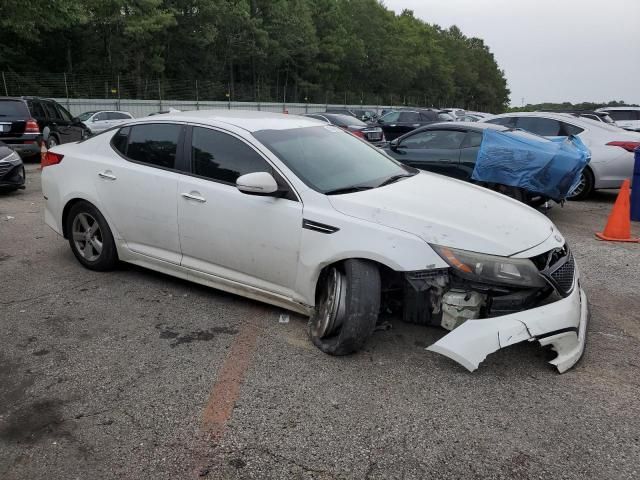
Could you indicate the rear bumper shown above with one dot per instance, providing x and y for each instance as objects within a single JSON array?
[
  {"x": 24, "y": 149},
  {"x": 561, "y": 324}
]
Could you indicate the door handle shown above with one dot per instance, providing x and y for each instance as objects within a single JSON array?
[
  {"x": 107, "y": 175},
  {"x": 194, "y": 196}
]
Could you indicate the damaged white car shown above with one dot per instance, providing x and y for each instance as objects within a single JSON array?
[{"x": 305, "y": 216}]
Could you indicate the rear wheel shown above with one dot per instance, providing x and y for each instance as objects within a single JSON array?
[
  {"x": 585, "y": 187},
  {"x": 90, "y": 237},
  {"x": 347, "y": 306},
  {"x": 52, "y": 141}
]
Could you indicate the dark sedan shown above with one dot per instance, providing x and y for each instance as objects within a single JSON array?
[
  {"x": 371, "y": 133},
  {"x": 399, "y": 122},
  {"x": 12, "y": 175},
  {"x": 451, "y": 149}
]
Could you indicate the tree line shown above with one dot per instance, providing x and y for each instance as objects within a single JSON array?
[{"x": 255, "y": 50}]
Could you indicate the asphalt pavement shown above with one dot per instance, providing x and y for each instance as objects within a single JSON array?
[{"x": 134, "y": 374}]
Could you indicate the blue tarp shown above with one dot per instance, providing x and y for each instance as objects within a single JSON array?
[{"x": 546, "y": 166}]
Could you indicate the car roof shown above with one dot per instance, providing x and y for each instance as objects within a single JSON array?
[
  {"x": 606, "y": 109},
  {"x": 251, "y": 121},
  {"x": 464, "y": 126}
]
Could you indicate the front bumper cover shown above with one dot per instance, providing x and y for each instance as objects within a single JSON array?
[{"x": 561, "y": 324}]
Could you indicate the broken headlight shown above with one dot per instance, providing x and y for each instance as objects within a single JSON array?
[{"x": 514, "y": 272}]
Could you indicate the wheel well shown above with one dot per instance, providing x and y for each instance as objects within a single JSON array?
[
  {"x": 65, "y": 214},
  {"x": 389, "y": 278}
]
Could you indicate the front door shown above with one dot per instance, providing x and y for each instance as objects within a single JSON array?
[
  {"x": 249, "y": 239},
  {"x": 137, "y": 184},
  {"x": 436, "y": 151}
]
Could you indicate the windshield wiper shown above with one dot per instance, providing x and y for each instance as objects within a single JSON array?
[
  {"x": 395, "y": 178},
  {"x": 353, "y": 188}
]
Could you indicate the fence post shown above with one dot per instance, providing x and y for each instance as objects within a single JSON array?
[
  {"x": 118, "y": 87},
  {"x": 4, "y": 80},
  {"x": 159, "y": 96},
  {"x": 66, "y": 89},
  {"x": 197, "y": 97}
]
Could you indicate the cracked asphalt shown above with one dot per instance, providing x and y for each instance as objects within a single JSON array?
[{"x": 134, "y": 374}]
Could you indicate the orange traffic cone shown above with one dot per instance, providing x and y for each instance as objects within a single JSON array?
[{"x": 618, "y": 227}]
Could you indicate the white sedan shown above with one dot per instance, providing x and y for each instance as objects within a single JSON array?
[
  {"x": 302, "y": 215},
  {"x": 611, "y": 147}
]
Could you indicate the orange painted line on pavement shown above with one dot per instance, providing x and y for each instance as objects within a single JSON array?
[{"x": 226, "y": 390}]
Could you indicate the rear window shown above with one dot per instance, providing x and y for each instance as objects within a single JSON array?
[
  {"x": 152, "y": 144},
  {"x": 13, "y": 108},
  {"x": 545, "y": 127}
]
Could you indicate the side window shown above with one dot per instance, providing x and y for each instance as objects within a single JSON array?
[
  {"x": 428, "y": 117},
  {"x": 118, "y": 116},
  {"x": 120, "y": 140},
  {"x": 545, "y": 127},
  {"x": 623, "y": 115},
  {"x": 390, "y": 117},
  {"x": 154, "y": 144},
  {"x": 36, "y": 110},
  {"x": 99, "y": 117},
  {"x": 569, "y": 129},
  {"x": 509, "y": 122},
  {"x": 64, "y": 114},
  {"x": 472, "y": 140},
  {"x": 434, "y": 139},
  {"x": 409, "y": 117},
  {"x": 222, "y": 157},
  {"x": 52, "y": 113}
]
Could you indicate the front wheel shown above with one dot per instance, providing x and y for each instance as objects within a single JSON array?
[
  {"x": 52, "y": 141},
  {"x": 347, "y": 305}
]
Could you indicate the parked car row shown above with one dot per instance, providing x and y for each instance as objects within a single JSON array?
[
  {"x": 303, "y": 215},
  {"x": 611, "y": 147}
]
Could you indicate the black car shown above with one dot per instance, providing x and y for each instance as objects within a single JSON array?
[
  {"x": 371, "y": 133},
  {"x": 12, "y": 173},
  {"x": 24, "y": 121},
  {"x": 451, "y": 149},
  {"x": 399, "y": 122}
]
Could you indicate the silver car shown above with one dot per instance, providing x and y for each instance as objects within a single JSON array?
[{"x": 101, "y": 120}]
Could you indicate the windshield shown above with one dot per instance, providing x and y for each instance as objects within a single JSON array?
[
  {"x": 328, "y": 159},
  {"x": 85, "y": 116}
]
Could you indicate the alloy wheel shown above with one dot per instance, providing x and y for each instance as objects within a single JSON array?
[
  {"x": 87, "y": 236},
  {"x": 331, "y": 305}
]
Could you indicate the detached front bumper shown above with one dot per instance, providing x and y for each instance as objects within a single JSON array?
[{"x": 561, "y": 324}]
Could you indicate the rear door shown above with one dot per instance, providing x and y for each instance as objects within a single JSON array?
[
  {"x": 469, "y": 154},
  {"x": 118, "y": 118},
  {"x": 408, "y": 121},
  {"x": 436, "y": 151},
  {"x": 137, "y": 182}
]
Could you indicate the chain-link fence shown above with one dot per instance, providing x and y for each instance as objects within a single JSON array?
[{"x": 121, "y": 87}]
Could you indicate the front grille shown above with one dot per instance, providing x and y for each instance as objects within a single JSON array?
[
  {"x": 563, "y": 275},
  {"x": 4, "y": 168}
]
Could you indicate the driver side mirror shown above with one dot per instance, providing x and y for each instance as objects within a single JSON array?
[{"x": 259, "y": 183}]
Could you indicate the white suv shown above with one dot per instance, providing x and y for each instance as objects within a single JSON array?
[{"x": 303, "y": 215}]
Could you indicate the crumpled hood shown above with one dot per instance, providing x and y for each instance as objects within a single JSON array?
[{"x": 450, "y": 212}]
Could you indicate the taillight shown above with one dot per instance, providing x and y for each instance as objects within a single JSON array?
[
  {"x": 357, "y": 133},
  {"x": 31, "y": 126},
  {"x": 51, "y": 158},
  {"x": 628, "y": 146}
]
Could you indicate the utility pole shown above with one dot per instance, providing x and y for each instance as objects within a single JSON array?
[{"x": 4, "y": 80}]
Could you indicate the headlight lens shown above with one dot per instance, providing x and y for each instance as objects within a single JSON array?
[
  {"x": 520, "y": 272},
  {"x": 12, "y": 157}
]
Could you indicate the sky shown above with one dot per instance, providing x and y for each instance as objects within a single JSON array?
[{"x": 550, "y": 50}]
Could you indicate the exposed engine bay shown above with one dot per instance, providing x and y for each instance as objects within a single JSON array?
[{"x": 452, "y": 298}]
